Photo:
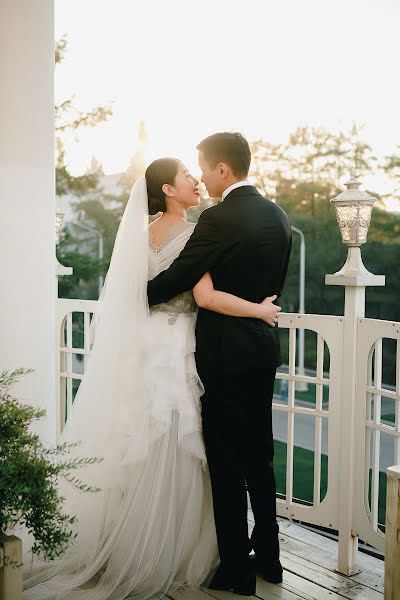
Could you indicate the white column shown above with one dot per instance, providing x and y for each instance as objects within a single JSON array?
[{"x": 27, "y": 205}]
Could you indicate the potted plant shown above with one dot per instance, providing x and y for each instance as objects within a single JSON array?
[{"x": 29, "y": 495}]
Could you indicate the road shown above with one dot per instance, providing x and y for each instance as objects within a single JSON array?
[{"x": 304, "y": 433}]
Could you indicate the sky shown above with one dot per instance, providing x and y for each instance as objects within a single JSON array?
[{"x": 261, "y": 67}]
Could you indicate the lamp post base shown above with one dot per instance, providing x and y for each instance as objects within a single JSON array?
[{"x": 354, "y": 273}]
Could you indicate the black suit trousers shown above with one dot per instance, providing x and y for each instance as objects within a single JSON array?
[{"x": 237, "y": 427}]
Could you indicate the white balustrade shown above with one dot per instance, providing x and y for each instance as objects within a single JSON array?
[
  {"x": 329, "y": 330},
  {"x": 70, "y": 357},
  {"x": 360, "y": 449},
  {"x": 371, "y": 431}
]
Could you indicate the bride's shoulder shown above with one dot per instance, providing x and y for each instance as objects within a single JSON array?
[{"x": 190, "y": 227}]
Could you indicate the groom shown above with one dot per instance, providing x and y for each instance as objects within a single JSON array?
[{"x": 244, "y": 242}]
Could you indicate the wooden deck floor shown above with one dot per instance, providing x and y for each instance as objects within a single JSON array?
[{"x": 309, "y": 561}]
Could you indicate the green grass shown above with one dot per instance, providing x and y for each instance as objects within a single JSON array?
[
  {"x": 303, "y": 472},
  {"x": 303, "y": 476},
  {"x": 382, "y": 497},
  {"x": 308, "y": 396},
  {"x": 389, "y": 417}
]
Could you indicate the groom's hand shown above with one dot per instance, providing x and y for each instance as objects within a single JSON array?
[{"x": 270, "y": 312}]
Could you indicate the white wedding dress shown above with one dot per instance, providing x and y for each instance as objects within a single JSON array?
[{"x": 151, "y": 528}]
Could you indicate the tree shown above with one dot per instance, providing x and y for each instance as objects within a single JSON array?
[
  {"x": 391, "y": 167},
  {"x": 78, "y": 247},
  {"x": 68, "y": 118},
  {"x": 302, "y": 175},
  {"x": 314, "y": 160}
]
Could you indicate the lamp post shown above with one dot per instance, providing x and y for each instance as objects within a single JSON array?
[
  {"x": 301, "y": 386},
  {"x": 100, "y": 249},
  {"x": 353, "y": 212}
]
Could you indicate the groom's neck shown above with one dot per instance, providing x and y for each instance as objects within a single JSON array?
[{"x": 231, "y": 181}]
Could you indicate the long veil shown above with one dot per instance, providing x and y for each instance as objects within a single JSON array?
[
  {"x": 117, "y": 430},
  {"x": 150, "y": 528},
  {"x": 115, "y": 365}
]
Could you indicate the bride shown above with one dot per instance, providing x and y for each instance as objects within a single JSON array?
[{"x": 150, "y": 528}]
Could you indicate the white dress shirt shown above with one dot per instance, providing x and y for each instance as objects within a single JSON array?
[{"x": 232, "y": 187}]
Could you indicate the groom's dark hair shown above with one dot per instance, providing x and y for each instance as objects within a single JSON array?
[{"x": 230, "y": 148}]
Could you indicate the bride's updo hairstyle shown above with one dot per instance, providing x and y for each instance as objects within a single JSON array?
[{"x": 159, "y": 172}]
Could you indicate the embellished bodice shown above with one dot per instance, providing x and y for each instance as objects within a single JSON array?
[{"x": 160, "y": 258}]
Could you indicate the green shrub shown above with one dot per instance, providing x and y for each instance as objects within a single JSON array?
[{"x": 29, "y": 472}]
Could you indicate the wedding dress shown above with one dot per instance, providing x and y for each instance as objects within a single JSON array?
[{"x": 150, "y": 529}]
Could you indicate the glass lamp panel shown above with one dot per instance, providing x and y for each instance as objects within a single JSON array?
[{"x": 353, "y": 221}]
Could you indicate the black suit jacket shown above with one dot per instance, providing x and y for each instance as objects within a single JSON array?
[{"x": 244, "y": 242}]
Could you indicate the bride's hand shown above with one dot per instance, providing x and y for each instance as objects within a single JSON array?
[{"x": 269, "y": 311}]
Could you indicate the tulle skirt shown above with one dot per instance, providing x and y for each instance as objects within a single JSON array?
[{"x": 151, "y": 529}]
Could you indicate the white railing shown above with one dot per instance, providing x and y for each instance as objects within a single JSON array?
[
  {"x": 71, "y": 359},
  {"x": 373, "y": 435},
  {"x": 349, "y": 460},
  {"x": 329, "y": 332}
]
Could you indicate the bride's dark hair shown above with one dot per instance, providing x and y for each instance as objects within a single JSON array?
[{"x": 160, "y": 171}]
